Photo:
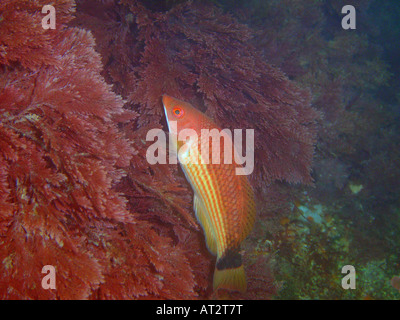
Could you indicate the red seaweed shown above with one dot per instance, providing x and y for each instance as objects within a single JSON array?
[{"x": 76, "y": 190}]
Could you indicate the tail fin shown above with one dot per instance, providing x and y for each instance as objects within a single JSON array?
[{"x": 229, "y": 273}]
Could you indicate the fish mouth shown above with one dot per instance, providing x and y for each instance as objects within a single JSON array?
[{"x": 165, "y": 101}]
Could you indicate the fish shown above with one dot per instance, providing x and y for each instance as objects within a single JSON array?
[{"x": 223, "y": 201}]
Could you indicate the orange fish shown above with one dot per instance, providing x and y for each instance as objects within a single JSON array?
[{"x": 223, "y": 201}]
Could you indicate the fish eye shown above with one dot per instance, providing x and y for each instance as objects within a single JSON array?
[{"x": 178, "y": 112}]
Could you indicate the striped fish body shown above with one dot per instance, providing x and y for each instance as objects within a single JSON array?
[{"x": 223, "y": 200}]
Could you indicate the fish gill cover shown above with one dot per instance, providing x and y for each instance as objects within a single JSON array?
[{"x": 77, "y": 192}]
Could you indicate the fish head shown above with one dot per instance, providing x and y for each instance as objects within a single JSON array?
[{"x": 183, "y": 113}]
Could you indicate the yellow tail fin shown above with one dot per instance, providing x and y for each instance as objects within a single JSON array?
[{"x": 231, "y": 279}]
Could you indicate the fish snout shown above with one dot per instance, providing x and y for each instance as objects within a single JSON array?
[{"x": 167, "y": 100}]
